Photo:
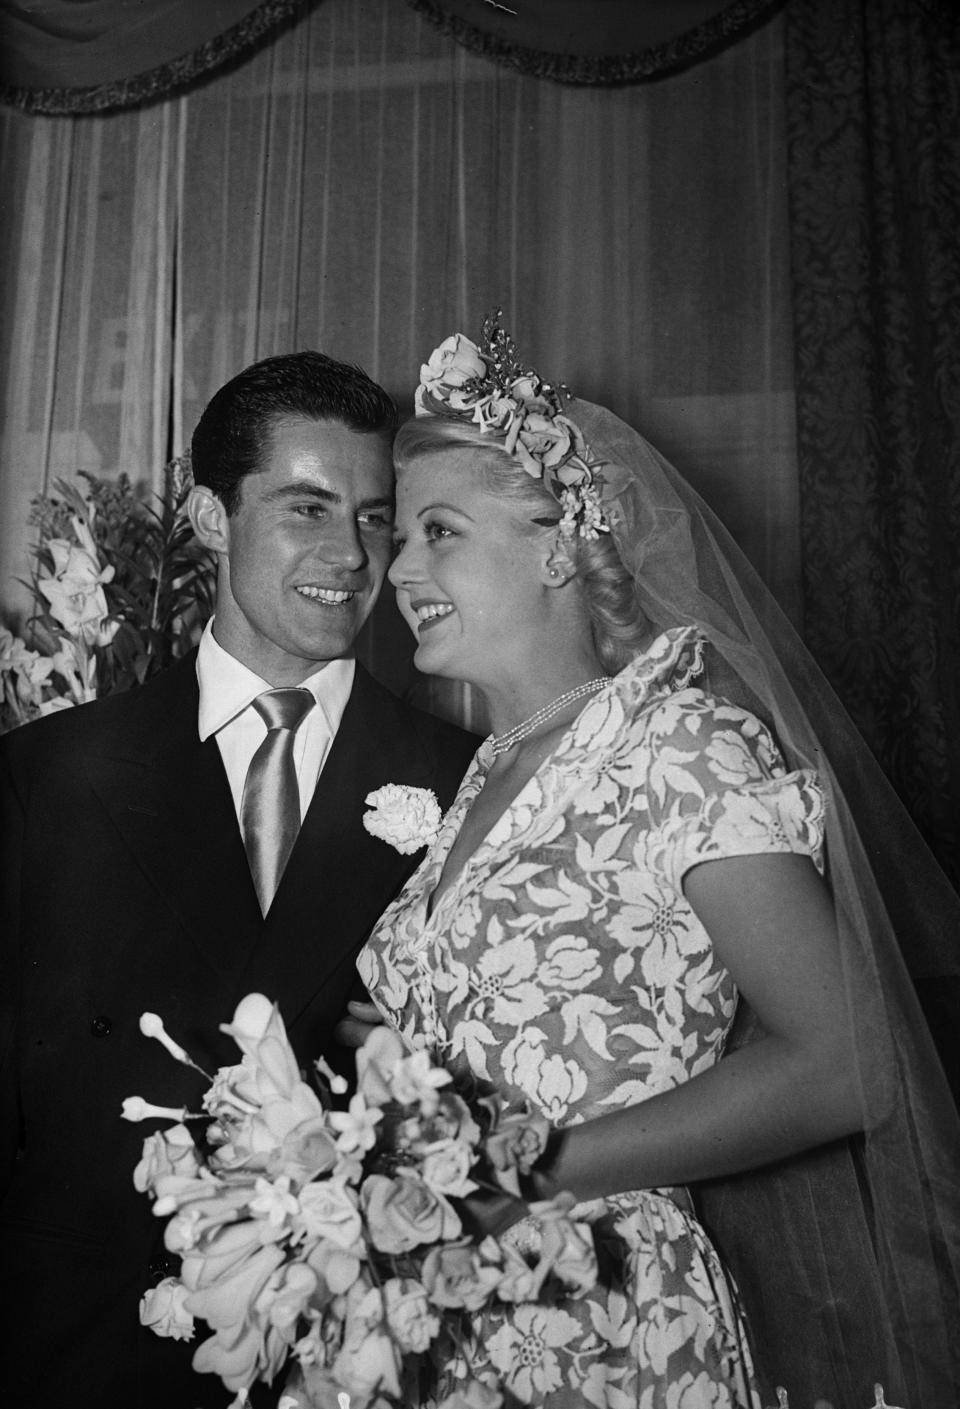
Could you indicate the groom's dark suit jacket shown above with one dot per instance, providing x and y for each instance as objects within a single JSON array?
[{"x": 126, "y": 889}]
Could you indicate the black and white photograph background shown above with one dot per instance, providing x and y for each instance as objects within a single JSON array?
[{"x": 732, "y": 226}]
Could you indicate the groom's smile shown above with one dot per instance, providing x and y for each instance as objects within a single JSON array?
[{"x": 329, "y": 596}]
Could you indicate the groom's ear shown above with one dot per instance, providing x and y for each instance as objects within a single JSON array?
[{"x": 209, "y": 518}]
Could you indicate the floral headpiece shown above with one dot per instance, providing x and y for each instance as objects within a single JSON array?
[{"x": 488, "y": 386}]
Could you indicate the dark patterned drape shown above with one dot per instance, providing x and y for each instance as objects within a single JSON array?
[{"x": 874, "y": 176}]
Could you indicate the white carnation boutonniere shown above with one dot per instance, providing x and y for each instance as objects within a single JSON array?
[{"x": 407, "y": 818}]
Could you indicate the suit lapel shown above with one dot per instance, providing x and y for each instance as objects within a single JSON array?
[
  {"x": 339, "y": 878},
  {"x": 169, "y": 797},
  {"x": 170, "y": 801}
]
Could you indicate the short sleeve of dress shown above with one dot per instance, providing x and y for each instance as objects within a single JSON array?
[{"x": 719, "y": 787}]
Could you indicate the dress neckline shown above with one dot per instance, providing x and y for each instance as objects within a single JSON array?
[{"x": 674, "y": 658}]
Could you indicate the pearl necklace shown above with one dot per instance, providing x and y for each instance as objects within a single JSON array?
[{"x": 503, "y": 743}]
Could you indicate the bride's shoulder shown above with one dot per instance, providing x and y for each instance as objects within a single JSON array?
[
  {"x": 670, "y": 662},
  {"x": 668, "y": 706}
]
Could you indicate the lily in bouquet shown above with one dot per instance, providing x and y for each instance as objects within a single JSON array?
[
  {"x": 120, "y": 588},
  {"x": 73, "y": 623},
  {"x": 334, "y": 1240}
]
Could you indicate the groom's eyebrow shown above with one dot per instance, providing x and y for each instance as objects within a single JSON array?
[
  {"x": 303, "y": 491},
  {"x": 327, "y": 496}
]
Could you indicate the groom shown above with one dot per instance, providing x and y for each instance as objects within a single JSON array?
[{"x": 139, "y": 875}]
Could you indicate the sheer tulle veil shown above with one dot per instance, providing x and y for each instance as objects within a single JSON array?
[{"x": 848, "y": 1258}]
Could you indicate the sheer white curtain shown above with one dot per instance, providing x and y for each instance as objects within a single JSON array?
[{"x": 366, "y": 186}]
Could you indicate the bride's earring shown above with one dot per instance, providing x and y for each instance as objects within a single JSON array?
[{"x": 559, "y": 565}]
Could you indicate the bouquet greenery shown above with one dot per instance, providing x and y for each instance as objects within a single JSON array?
[
  {"x": 337, "y": 1238},
  {"x": 121, "y": 588}
]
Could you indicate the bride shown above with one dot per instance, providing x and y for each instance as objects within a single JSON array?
[{"x": 638, "y": 853}]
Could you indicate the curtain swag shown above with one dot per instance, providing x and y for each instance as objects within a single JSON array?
[
  {"x": 90, "y": 56},
  {"x": 581, "y": 41},
  {"x": 110, "y": 57}
]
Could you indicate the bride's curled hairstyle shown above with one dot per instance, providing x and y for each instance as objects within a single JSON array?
[{"x": 619, "y": 624}]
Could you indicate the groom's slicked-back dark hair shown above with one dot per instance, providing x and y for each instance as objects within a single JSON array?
[{"x": 232, "y": 438}]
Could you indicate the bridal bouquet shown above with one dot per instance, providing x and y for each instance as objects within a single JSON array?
[{"x": 334, "y": 1237}]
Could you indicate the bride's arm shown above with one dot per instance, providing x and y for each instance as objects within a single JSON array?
[{"x": 770, "y": 918}]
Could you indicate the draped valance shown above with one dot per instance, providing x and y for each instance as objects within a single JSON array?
[
  {"x": 76, "y": 56},
  {"x": 81, "y": 56},
  {"x": 595, "y": 41}
]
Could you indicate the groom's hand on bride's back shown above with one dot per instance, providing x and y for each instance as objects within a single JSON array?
[{"x": 361, "y": 1019}]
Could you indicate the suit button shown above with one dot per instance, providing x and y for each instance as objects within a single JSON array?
[
  {"x": 163, "y": 1265},
  {"x": 101, "y": 1027}
]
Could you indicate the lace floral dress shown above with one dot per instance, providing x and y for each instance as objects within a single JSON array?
[{"x": 565, "y": 966}]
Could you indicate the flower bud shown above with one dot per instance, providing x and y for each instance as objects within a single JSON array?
[{"x": 135, "y": 1108}]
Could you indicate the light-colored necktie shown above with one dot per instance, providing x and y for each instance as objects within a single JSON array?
[{"x": 270, "y": 806}]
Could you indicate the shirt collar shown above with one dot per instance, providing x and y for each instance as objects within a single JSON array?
[{"x": 227, "y": 686}]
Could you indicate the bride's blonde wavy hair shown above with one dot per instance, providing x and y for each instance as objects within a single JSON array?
[{"x": 619, "y": 626}]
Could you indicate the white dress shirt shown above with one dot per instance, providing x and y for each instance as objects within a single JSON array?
[{"x": 227, "y": 691}]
